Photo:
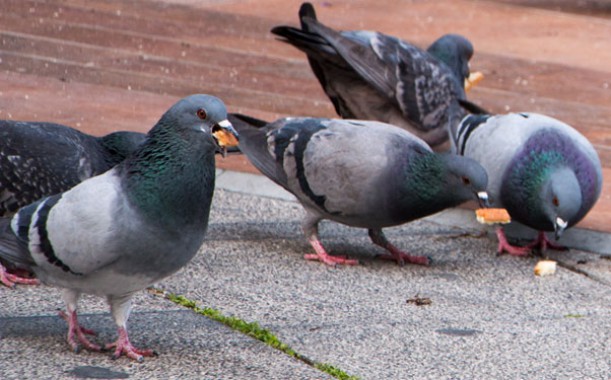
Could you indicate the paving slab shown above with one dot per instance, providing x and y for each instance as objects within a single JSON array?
[
  {"x": 488, "y": 317},
  {"x": 103, "y": 65},
  {"x": 190, "y": 346},
  {"x": 108, "y": 64}
]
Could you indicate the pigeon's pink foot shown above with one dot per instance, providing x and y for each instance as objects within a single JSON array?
[
  {"x": 10, "y": 280},
  {"x": 378, "y": 238},
  {"x": 543, "y": 243},
  {"x": 75, "y": 329},
  {"x": 504, "y": 245},
  {"x": 401, "y": 258},
  {"x": 122, "y": 346},
  {"x": 323, "y": 256}
]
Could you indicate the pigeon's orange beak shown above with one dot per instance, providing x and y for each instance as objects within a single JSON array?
[{"x": 225, "y": 135}]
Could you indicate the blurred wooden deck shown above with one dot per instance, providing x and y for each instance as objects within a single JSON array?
[{"x": 104, "y": 65}]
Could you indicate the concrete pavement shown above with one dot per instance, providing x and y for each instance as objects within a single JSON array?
[{"x": 489, "y": 317}]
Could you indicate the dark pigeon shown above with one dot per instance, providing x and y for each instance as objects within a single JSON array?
[
  {"x": 38, "y": 159},
  {"x": 359, "y": 173},
  {"x": 117, "y": 233},
  {"x": 545, "y": 173},
  {"x": 373, "y": 76}
]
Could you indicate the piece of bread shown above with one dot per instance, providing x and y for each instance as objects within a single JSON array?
[
  {"x": 545, "y": 268},
  {"x": 492, "y": 215},
  {"x": 225, "y": 139},
  {"x": 474, "y": 78}
]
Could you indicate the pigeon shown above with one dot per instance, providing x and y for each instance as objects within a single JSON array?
[
  {"x": 121, "y": 231},
  {"x": 364, "y": 174},
  {"x": 38, "y": 159},
  {"x": 545, "y": 173},
  {"x": 372, "y": 76},
  {"x": 41, "y": 158}
]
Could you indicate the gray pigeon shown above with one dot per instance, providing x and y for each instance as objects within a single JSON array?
[
  {"x": 39, "y": 159},
  {"x": 373, "y": 76},
  {"x": 359, "y": 173},
  {"x": 117, "y": 233},
  {"x": 545, "y": 173}
]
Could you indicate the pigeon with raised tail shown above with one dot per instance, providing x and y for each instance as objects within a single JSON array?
[
  {"x": 359, "y": 173},
  {"x": 372, "y": 76},
  {"x": 544, "y": 172},
  {"x": 117, "y": 233}
]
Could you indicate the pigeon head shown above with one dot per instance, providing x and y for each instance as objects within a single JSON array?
[
  {"x": 202, "y": 113},
  {"x": 173, "y": 170},
  {"x": 455, "y": 51},
  {"x": 561, "y": 199},
  {"x": 465, "y": 178},
  {"x": 550, "y": 184}
]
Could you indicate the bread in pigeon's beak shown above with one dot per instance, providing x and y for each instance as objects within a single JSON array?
[
  {"x": 474, "y": 78},
  {"x": 492, "y": 216},
  {"x": 225, "y": 136}
]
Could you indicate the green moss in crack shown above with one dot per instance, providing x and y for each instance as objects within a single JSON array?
[
  {"x": 254, "y": 330},
  {"x": 574, "y": 316},
  {"x": 333, "y": 371}
]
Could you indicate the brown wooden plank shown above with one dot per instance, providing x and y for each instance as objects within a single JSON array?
[
  {"x": 93, "y": 108},
  {"x": 104, "y": 65},
  {"x": 594, "y": 8},
  {"x": 243, "y": 75}
]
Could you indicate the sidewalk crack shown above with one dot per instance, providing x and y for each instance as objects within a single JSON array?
[{"x": 253, "y": 330}]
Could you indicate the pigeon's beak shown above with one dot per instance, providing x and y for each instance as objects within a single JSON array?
[
  {"x": 482, "y": 196},
  {"x": 225, "y": 136},
  {"x": 559, "y": 227}
]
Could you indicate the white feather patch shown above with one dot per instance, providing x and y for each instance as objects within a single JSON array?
[{"x": 81, "y": 224}]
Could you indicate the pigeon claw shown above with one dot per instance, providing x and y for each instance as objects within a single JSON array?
[
  {"x": 543, "y": 243},
  {"x": 504, "y": 245},
  {"x": 77, "y": 331},
  {"x": 122, "y": 346},
  {"x": 512, "y": 250},
  {"x": 11, "y": 280},
  {"x": 83, "y": 342},
  {"x": 402, "y": 258},
  {"x": 322, "y": 255},
  {"x": 133, "y": 353},
  {"x": 331, "y": 260}
]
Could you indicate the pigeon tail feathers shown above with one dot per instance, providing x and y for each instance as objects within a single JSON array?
[
  {"x": 11, "y": 248},
  {"x": 306, "y": 10}
]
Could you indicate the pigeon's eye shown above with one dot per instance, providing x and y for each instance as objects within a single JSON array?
[
  {"x": 201, "y": 113},
  {"x": 556, "y": 202},
  {"x": 466, "y": 180}
]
